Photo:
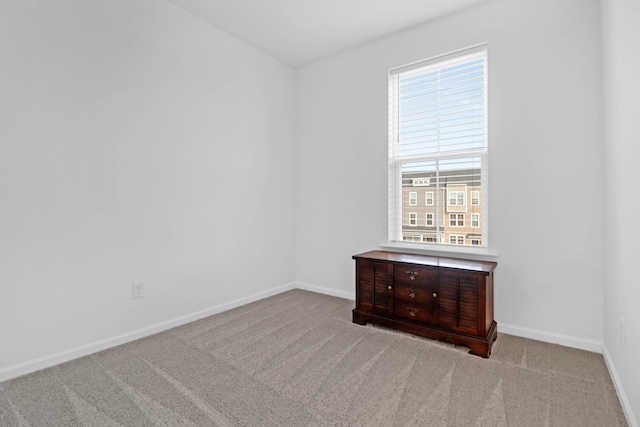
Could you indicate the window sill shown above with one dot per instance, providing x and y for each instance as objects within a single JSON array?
[{"x": 478, "y": 253}]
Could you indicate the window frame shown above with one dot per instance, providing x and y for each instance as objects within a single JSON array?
[
  {"x": 460, "y": 202},
  {"x": 455, "y": 220},
  {"x": 413, "y": 216},
  {"x": 477, "y": 220},
  {"x": 477, "y": 199},
  {"x": 396, "y": 161},
  {"x": 428, "y": 196},
  {"x": 458, "y": 238},
  {"x": 427, "y": 219}
]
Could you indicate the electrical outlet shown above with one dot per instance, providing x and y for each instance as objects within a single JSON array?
[
  {"x": 623, "y": 330},
  {"x": 138, "y": 290}
]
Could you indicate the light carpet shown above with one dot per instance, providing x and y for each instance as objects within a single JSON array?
[{"x": 295, "y": 359}]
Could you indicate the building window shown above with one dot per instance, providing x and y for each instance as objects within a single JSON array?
[
  {"x": 428, "y": 198},
  {"x": 421, "y": 182},
  {"x": 475, "y": 220},
  {"x": 475, "y": 198},
  {"x": 456, "y": 198},
  {"x": 438, "y": 137},
  {"x": 456, "y": 220},
  {"x": 429, "y": 219},
  {"x": 456, "y": 239},
  {"x": 413, "y": 238},
  {"x": 413, "y": 198},
  {"x": 413, "y": 219},
  {"x": 476, "y": 242}
]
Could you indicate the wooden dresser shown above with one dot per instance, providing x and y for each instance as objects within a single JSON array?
[{"x": 441, "y": 298}]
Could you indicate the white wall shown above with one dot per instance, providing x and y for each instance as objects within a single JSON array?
[
  {"x": 137, "y": 143},
  {"x": 124, "y": 156},
  {"x": 546, "y": 170},
  {"x": 621, "y": 42}
]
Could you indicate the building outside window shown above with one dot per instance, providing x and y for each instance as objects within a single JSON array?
[
  {"x": 456, "y": 239},
  {"x": 456, "y": 220},
  {"x": 429, "y": 219},
  {"x": 413, "y": 218},
  {"x": 413, "y": 198},
  {"x": 475, "y": 220},
  {"x": 475, "y": 198},
  {"x": 456, "y": 198},
  {"x": 428, "y": 198}
]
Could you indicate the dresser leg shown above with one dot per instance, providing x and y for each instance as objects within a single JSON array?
[
  {"x": 482, "y": 350},
  {"x": 358, "y": 318}
]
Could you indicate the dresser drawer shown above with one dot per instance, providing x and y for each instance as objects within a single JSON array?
[
  {"x": 422, "y": 313},
  {"x": 416, "y": 276},
  {"x": 412, "y": 293}
]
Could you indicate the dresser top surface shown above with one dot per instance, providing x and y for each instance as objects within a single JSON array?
[{"x": 430, "y": 261}]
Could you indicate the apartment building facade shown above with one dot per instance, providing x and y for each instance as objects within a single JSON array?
[{"x": 443, "y": 208}]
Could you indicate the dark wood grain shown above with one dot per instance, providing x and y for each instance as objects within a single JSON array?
[
  {"x": 441, "y": 298},
  {"x": 432, "y": 261}
]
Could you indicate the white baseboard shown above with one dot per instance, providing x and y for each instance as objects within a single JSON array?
[
  {"x": 565, "y": 340},
  {"x": 37, "y": 364},
  {"x": 624, "y": 400},
  {"x": 326, "y": 291},
  {"x": 74, "y": 353},
  {"x": 550, "y": 337}
]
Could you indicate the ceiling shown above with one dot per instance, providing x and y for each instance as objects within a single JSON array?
[{"x": 299, "y": 32}]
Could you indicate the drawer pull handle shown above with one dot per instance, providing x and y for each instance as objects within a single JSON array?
[
  {"x": 435, "y": 295},
  {"x": 412, "y": 274},
  {"x": 412, "y": 294},
  {"x": 412, "y": 311},
  {"x": 389, "y": 287}
]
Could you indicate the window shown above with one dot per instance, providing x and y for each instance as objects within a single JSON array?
[
  {"x": 429, "y": 219},
  {"x": 421, "y": 182},
  {"x": 413, "y": 238},
  {"x": 413, "y": 219},
  {"x": 456, "y": 198},
  {"x": 438, "y": 138},
  {"x": 413, "y": 198},
  {"x": 428, "y": 198},
  {"x": 475, "y": 198},
  {"x": 475, "y": 220},
  {"x": 456, "y": 239},
  {"x": 456, "y": 220}
]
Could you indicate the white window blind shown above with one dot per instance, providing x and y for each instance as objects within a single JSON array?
[{"x": 438, "y": 139}]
